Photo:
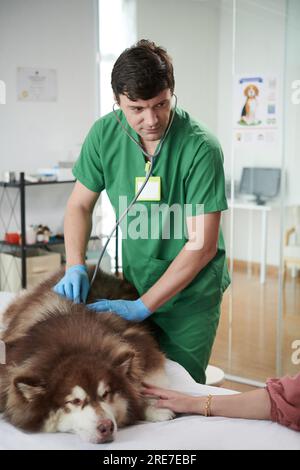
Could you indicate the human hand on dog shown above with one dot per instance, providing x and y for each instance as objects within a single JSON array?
[
  {"x": 133, "y": 310},
  {"x": 75, "y": 284},
  {"x": 173, "y": 400}
]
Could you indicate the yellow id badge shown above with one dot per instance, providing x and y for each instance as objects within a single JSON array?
[{"x": 152, "y": 190}]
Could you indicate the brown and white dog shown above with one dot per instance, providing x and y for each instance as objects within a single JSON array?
[
  {"x": 248, "y": 115},
  {"x": 72, "y": 370}
]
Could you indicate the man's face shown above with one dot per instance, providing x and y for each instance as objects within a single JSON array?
[{"x": 149, "y": 118}]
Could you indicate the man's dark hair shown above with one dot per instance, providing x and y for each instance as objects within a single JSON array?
[{"x": 142, "y": 72}]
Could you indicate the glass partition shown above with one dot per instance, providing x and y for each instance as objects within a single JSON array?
[
  {"x": 237, "y": 69},
  {"x": 259, "y": 333},
  {"x": 288, "y": 340}
]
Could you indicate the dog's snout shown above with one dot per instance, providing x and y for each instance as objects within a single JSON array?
[{"x": 106, "y": 429}]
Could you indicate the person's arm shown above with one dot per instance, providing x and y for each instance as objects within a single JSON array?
[
  {"x": 250, "y": 405},
  {"x": 78, "y": 223},
  {"x": 203, "y": 232},
  {"x": 285, "y": 400}
]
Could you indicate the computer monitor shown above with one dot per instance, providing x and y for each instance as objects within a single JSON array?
[{"x": 263, "y": 183}]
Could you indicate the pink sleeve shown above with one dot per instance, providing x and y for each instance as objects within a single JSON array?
[{"x": 285, "y": 401}]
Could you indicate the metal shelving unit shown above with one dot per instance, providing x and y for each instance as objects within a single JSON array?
[{"x": 23, "y": 248}]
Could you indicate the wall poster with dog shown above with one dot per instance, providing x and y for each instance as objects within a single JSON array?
[{"x": 256, "y": 109}]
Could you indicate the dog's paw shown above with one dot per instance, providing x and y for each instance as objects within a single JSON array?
[{"x": 158, "y": 414}]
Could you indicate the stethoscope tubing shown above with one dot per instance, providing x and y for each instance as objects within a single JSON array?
[
  {"x": 152, "y": 162},
  {"x": 121, "y": 218}
]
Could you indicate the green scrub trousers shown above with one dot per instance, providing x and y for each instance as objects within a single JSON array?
[{"x": 188, "y": 342}]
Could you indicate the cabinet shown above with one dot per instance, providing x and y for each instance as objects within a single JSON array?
[
  {"x": 39, "y": 265},
  {"x": 29, "y": 262}
]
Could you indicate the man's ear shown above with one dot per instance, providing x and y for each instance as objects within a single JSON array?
[{"x": 29, "y": 387}]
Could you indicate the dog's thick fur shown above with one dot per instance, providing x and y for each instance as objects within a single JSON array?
[{"x": 73, "y": 370}]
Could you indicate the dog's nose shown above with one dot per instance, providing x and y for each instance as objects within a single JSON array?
[{"x": 106, "y": 429}]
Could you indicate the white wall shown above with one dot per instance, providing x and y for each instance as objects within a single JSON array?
[
  {"x": 267, "y": 40},
  {"x": 59, "y": 34},
  {"x": 292, "y": 127},
  {"x": 259, "y": 48},
  {"x": 189, "y": 30},
  {"x": 199, "y": 36}
]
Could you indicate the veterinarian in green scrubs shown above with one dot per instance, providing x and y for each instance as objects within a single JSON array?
[{"x": 180, "y": 283}]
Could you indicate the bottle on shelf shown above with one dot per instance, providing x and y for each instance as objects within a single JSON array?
[
  {"x": 30, "y": 235},
  {"x": 40, "y": 234},
  {"x": 47, "y": 234}
]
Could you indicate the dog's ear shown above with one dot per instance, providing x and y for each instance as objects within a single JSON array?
[
  {"x": 29, "y": 387},
  {"x": 123, "y": 360}
]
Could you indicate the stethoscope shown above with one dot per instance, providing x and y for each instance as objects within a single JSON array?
[{"x": 150, "y": 171}]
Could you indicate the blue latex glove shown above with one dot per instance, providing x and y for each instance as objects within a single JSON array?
[
  {"x": 75, "y": 284},
  {"x": 133, "y": 310}
]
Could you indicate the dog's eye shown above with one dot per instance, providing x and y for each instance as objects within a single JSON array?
[
  {"x": 76, "y": 402},
  {"x": 104, "y": 395}
]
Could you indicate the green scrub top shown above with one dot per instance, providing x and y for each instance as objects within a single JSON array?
[{"x": 190, "y": 166}]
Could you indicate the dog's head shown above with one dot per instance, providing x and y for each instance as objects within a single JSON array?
[
  {"x": 83, "y": 395},
  {"x": 251, "y": 91}
]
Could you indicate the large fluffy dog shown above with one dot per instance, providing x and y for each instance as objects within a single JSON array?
[{"x": 72, "y": 370}]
